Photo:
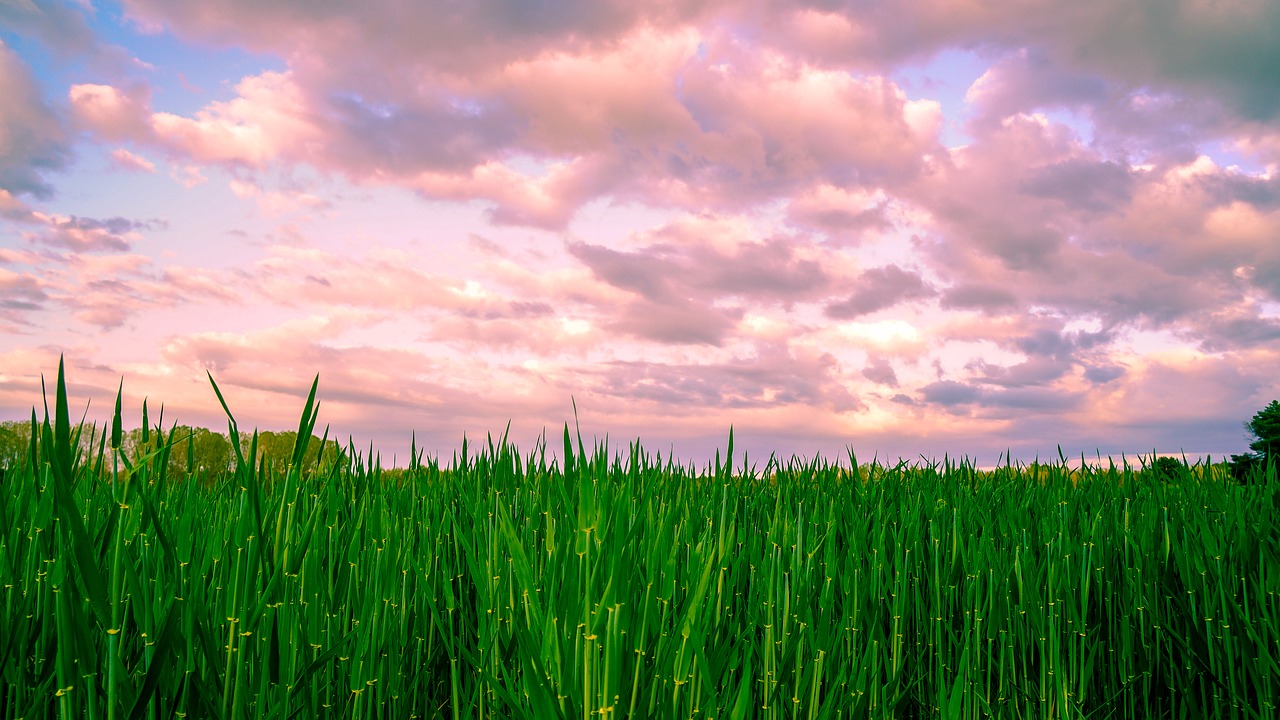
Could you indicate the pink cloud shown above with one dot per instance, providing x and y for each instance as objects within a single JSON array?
[
  {"x": 389, "y": 281},
  {"x": 87, "y": 234},
  {"x": 1024, "y": 80},
  {"x": 733, "y": 126},
  {"x": 177, "y": 283},
  {"x": 770, "y": 377},
  {"x": 275, "y": 202},
  {"x": 543, "y": 335},
  {"x": 1154, "y": 391},
  {"x": 1194, "y": 49},
  {"x": 879, "y": 289},
  {"x": 360, "y": 383},
  {"x": 268, "y": 119},
  {"x": 1046, "y": 221},
  {"x": 847, "y": 215},
  {"x": 103, "y": 291},
  {"x": 547, "y": 202},
  {"x": 113, "y": 114},
  {"x": 432, "y": 34},
  {"x": 691, "y": 280},
  {"x": 126, "y": 160},
  {"x": 188, "y": 176},
  {"x": 773, "y": 119},
  {"x": 11, "y": 208},
  {"x": 582, "y": 102},
  {"x": 21, "y": 293},
  {"x": 726, "y": 129}
]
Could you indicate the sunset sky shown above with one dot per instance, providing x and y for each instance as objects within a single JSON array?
[{"x": 914, "y": 227}]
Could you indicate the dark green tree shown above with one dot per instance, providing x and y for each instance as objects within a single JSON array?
[
  {"x": 1167, "y": 469},
  {"x": 1265, "y": 428}
]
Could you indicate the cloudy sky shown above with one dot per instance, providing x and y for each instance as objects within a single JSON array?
[{"x": 913, "y": 227}]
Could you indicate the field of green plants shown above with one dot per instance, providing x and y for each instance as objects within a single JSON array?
[{"x": 593, "y": 582}]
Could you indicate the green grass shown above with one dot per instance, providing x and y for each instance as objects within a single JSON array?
[{"x": 589, "y": 583}]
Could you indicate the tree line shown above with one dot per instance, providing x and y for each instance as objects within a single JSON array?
[
  {"x": 200, "y": 452},
  {"x": 192, "y": 451}
]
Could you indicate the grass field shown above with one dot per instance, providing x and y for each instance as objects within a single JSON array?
[{"x": 582, "y": 582}]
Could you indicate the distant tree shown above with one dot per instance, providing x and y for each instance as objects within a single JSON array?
[
  {"x": 15, "y": 439},
  {"x": 277, "y": 449},
  {"x": 1167, "y": 469},
  {"x": 199, "y": 451},
  {"x": 1265, "y": 428},
  {"x": 1244, "y": 467},
  {"x": 15, "y": 442},
  {"x": 195, "y": 451}
]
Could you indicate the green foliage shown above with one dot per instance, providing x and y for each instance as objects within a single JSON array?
[
  {"x": 277, "y": 449},
  {"x": 187, "y": 452},
  {"x": 619, "y": 585},
  {"x": 1167, "y": 468},
  {"x": 15, "y": 438},
  {"x": 1246, "y": 468},
  {"x": 1265, "y": 428}
]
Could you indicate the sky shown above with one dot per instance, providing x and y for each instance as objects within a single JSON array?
[{"x": 914, "y": 228}]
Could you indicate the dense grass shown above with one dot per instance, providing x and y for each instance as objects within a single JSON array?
[{"x": 603, "y": 584}]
